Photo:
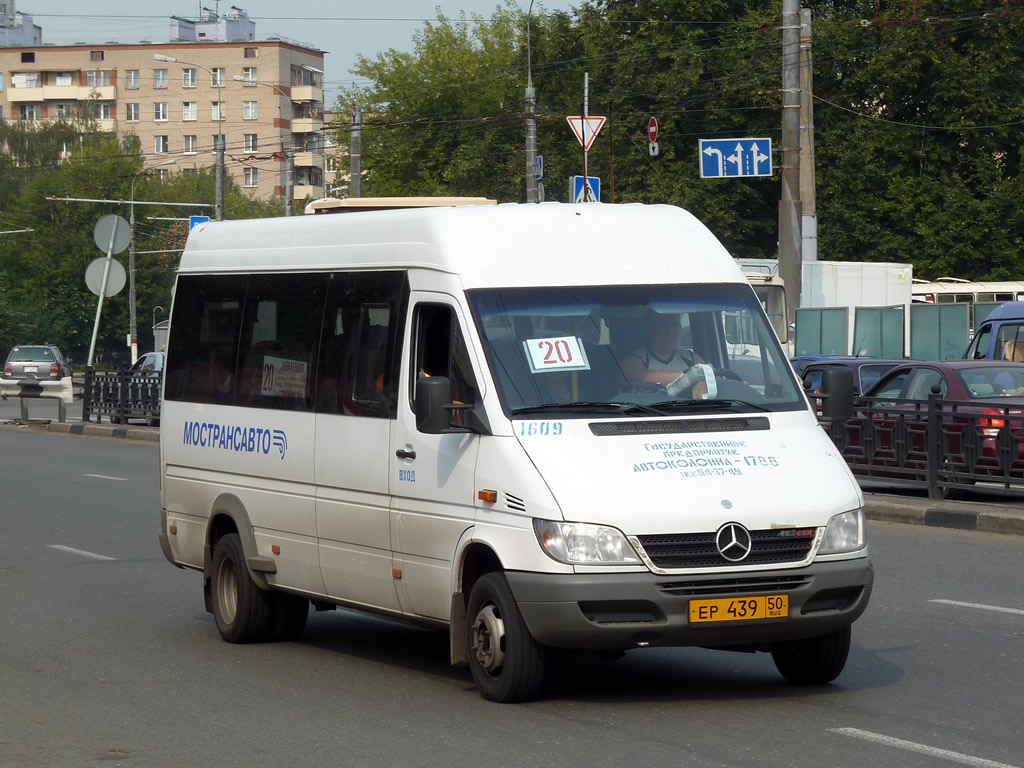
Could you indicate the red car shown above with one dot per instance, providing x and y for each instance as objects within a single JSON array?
[{"x": 983, "y": 430}]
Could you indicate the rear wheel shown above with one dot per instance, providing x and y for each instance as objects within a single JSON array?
[
  {"x": 506, "y": 662},
  {"x": 814, "y": 660},
  {"x": 242, "y": 610}
]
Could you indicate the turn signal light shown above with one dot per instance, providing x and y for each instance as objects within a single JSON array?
[
  {"x": 489, "y": 496},
  {"x": 275, "y": 548}
]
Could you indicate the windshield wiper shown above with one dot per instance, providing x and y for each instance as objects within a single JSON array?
[
  {"x": 588, "y": 405},
  {"x": 725, "y": 402}
]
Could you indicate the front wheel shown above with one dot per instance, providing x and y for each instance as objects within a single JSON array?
[
  {"x": 243, "y": 611},
  {"x": 507, "y": 663},
  {"x": 814, "y": 660}
]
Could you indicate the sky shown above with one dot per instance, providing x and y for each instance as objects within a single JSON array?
[{"x": 343, "y": 28}]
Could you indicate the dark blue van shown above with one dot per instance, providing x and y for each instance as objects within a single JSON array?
[{"x": 1001, "y": 335}]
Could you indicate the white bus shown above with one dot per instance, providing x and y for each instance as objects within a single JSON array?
[
  {"x": 949, "y": 290},
  {"x": 424, "y": 413}
]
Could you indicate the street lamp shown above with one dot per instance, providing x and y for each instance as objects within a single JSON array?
[
  {"x": 133, "y": 324},
  {"x": 219, "y": 193},
  {"x": 288, "y": 146}
]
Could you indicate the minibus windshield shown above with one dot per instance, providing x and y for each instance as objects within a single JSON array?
[{"x": 632, "y": 350}]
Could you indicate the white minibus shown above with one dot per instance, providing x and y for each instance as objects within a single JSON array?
[{"x": 553, "y": 429}]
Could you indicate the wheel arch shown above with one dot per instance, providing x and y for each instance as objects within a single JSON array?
[
  {"x": 228, "y": 515},
  {"x": 473, "y": 559}
]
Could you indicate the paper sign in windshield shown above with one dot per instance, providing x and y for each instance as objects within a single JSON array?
[
  {"x": 558, "y": 353},
  {"x": 283, "y": 378}
]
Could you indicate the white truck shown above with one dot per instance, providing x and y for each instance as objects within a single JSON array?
[{"x": 850, "y": 284}]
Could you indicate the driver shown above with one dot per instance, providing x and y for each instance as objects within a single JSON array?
[{"x": 661, "y": 360}]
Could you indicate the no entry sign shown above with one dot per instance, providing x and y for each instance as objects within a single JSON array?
[{"x": 652, "y": 129}]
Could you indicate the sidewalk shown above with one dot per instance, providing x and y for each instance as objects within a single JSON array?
[{"x": 884, "y": 507}]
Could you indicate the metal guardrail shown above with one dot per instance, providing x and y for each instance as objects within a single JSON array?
[
  {"x": 120, "y": 396},
  {"x": 939, "y": 444}
]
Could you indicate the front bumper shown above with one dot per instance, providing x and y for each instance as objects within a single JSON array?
[{"x": 610, "y": 611}]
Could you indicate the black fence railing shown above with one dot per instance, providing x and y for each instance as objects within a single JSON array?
[
  {"x": 121, "y": 396},
  {"x": 939, "y": 444}
]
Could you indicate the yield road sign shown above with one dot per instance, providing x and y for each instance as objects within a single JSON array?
[
  {"x": 586, "y": 193},
  {"x": 731, "y": 158},
  {"x": 586, "y": 129},
  {"x": 652, "y": 130}
]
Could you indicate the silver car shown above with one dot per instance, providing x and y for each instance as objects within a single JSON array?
[{"x": 42, "y": 362}]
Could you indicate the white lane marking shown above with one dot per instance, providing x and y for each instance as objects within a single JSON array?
[
  {"x": 982, "y": 606},
  {"x": 81, "y": 552},
  {"x": 108, "y": 477},
  {"x": 923, "y": 749}
]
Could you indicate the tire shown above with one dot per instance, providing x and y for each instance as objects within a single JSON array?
[
  {"x": 242, "y": 610},
  {"x": 289, "y": 617},
  {"x": 507, "y": 663},
  {"x": 814, "y": 660}
]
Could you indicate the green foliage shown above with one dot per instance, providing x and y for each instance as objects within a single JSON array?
[
  {"x": 917, "y": 118},
  {"x": 43, "y": 296}
]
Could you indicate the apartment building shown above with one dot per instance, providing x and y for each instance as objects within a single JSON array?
[{"x": 265, "y": 98}]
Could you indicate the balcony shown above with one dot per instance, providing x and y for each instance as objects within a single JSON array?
[
  {"x": 307, "y": 93},
  {"x": 61, "y": 92},
  {"x": 103, "y": 92},
  {"x": 302, "y": 191},
  {"x": 307, "y": 124},
  {"x": 23, "y": 95},
  {"x": 309, "y": 160}
]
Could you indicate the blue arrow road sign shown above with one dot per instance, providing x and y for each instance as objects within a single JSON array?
[
  {"x": 194, "y": 220},
  {"x": 538, "y": 167},
  {"x": 593, "y": 194},
  {"x": 732, "y": 158}
]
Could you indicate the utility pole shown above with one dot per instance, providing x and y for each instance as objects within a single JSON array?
[
  {"x": 289, "y": 177},
  {"x": 809, "y": 219},
  {"x": 355, "y": 186},
  {"x": 531, "y": 121},
  {"x": 790, "y": 266}
]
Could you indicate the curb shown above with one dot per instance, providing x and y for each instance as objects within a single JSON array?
[
  {"x": 966, "y": 516},
  {"x": 142, "y": 434}
]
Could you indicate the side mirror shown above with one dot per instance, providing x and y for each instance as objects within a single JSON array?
[
  {"x": 837, "y": 385},
  {"x": 433, "y": 396}
]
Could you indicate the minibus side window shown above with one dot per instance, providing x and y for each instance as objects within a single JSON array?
[
  {"x": 441, "y": 351},
  {"x": 280, "y": 334},
  {"x": 1010, "y": 343},
  {"x": 203, "y": 344},
  {"x": 361, "y": 328}
]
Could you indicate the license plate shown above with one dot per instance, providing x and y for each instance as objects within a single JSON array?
[
  {"x": 31, "y": 369},
  {"x": 739, "y": 608}
]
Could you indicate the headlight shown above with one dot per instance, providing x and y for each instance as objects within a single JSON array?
[
  {"x": 584, "y": 544},
  {"x": 845, "y": 533}
]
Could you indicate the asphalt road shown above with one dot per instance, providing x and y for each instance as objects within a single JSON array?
[{"x": 107, "y": 658}]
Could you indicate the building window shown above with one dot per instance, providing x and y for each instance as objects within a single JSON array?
[
  {"x": 189, "y": 110},
  {"x": 249, "y": 76},
  {"x": 189, "y": 171},
  {"x": 215, "y": 142},
  {"x": 252, "y": 177},
  {"x": 131, "y": 79},
  {"x": 302, "y": 75},
  {"x": 28, "y": 111},
  {"x": 100, "y": 110},
  {"x": 65, "y": 110},
  {"x": 250, "y": 142},
  {"x": 330, "y": 163},
  {"x": 250, "y": 53},
  {"x": 131, "y": 113},
  {"x": 163, "y": 173},
  {"x": 26, "y": 80},
  {"x": 160, "y": 145},
  {"x": 188, "y": 78},
  {"x": 28, "y": 57},
  {"x": 95, "y": 55},
  {"x": 160, "y": 111},
  {"x": 63, "y": 78},
  {"x": 217, "y": 110},
  {"x": 159, "y": 78},
  {"x": 190, "y": 144},
  {"x": 217, "y": 77},
  {"x": 97, "y": 78},
  {"x": 248, "y": 110}
]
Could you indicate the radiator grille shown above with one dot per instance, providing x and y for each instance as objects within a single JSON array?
[
  {"x": 734, "y": 586},
  {"x": 697, "y": 550}
]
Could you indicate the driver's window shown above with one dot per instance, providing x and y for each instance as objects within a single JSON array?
[
  {"x": 890, "y": 388},
  {"x": 440, "y": 350}
]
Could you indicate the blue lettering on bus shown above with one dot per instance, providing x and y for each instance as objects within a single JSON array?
[{"x": 235, "y": 438}]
